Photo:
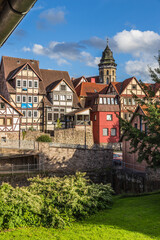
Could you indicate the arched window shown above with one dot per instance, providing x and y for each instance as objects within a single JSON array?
[
  {"x": 107, "y": 80},
  {"x": 113, "y": 72},
  {"x": 107, "y": 72}
]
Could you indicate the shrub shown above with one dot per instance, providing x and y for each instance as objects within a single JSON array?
[
  {"x": 44, "y": 138},
  {"x": 52, "y": 202}
]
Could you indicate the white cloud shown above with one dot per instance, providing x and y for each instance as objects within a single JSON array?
[
  {"x": 26, "y": 49},
  {"x": 64, "y": 52},
  {"x": 54, "y": 15}
]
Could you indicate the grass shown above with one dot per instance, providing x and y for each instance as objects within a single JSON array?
[{"x": 130, "y": 218}]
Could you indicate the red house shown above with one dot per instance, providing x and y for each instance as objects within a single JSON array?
[{"x": 104, "y": 118}]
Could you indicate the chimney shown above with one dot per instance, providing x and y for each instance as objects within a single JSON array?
[{"x": 93, "y": 80}]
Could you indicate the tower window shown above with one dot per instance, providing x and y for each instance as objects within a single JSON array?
[
  {"x": 113, "y": 72},
  {"x": 107, "y": 80},
  {"x": 107, "y": 72}
]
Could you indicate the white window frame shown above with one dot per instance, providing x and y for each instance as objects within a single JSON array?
[
  {"x": 28, "y": 99},
  {"x": 104, "y": 100},
  {"x": 100, "y": 100},
  {"x": 28, "y": 113},
  {"x": 35, "y": 81},
  {"x": 56, "y": 97},
  {"x": 24, "y": 80},
  {"x": 106, "y": 131},
  {"x": 17, "y": 83},
  {"x": 31, "y": 84},
  {"x": 25, "y": 98},
  {"x": 109, "y": 101},
  {"x": 35, "y": 111},
  {"x": 17, "y": 99},
  {"x": 34, "y": 99},
  {"x": 115, "y": 132},
  {"x": 62, "y": 97},
  {"x": 112, "y": 101},
  {"x": 69, "y": 97},
  {"x": 109, "y": 117},
  {"x": 24, "y": 111}
]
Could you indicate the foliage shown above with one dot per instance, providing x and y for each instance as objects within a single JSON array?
[
  {"x": 58, "y": 124},
  {"x": 52, "y": 202},
  {"x": 44, "y": 138},
  {"x": 146, "y": 143},
  {"x": 130, "y": 218},
  {"x": 24, "y": 134},
  {"x": 32, "y": 129}
]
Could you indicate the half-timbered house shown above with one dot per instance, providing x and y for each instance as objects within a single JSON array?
[
  {"x": 10, "y": 117},
  {"x": 22, "y": 85}
]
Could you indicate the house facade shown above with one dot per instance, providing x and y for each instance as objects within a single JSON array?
[
  {"x": 10, "y": 117},
  {"x": 22, "y": 85}
]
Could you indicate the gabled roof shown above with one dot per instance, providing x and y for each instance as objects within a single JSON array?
[
  {"x": 13, "y": 66},
  {"x": 52, "y": 86},
  {"x": 77, "y": 81},
  {"x": 87, "y": 88},
  {"x": 52, "y": 76},
  {"x": 5, "y": 100}
]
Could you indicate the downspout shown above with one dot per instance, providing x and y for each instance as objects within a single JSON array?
[{"x": 11, "y": 14}]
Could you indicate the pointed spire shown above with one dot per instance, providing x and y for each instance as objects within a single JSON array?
[{"x": 107, "y": 42}]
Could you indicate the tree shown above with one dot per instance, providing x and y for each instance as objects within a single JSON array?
[
  {"x": 146, "y": 143},
  {"x": 58, "y": 124}
]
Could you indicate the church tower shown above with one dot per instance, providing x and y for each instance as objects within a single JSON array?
[{"x": 107, "y": 67}]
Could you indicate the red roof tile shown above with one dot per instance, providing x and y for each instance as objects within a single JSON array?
[{"x": 87, "y": 88}]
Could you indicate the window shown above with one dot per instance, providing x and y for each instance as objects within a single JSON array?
[
  {"x": 104, "y": 101},
  {"x": 62, "y": 117},
  {"x": 3, "y": 139},
  {"x": 24, "y": 113},
  {"x": 29, "y": 113},
  {"x": 35, "y": 99},
  {"x": 9, "y": 121},
  {"x": 49, "y": 116},
  {"x": 113, "y": 72},
  {"x": 56, "y": 116},
  {"x": 63, "y": 87},
  {"x": 35, "y": 113},
  {"x": 129, "y": 101},
  {"x": 113, "y": 132},
  {"x": 30, "y": 83},
  {"x": 56, "y": 110},
  {"x": 86, "y": 117},
  {"x": 133, "y": 101},
  {"x": 95, "y": 117},
  {"x": 18, "y": 83},
  {"x": 100, "y": 100},
  {"x": 105, "y": 131},
  {"x": 62, "y": 110},
  {"x": 55, "y": 97},
  {"x": 109, "y": 101},
  {"x": 125, "y": 101},
  {"x": 30, "y": 99},
  {"x": 2, "y": 121},
  {"x": 2, "y": 105},
  {"x": 125, "y": 116},
  {"x": 136, "y": 125},
  {"x": 112, "y": 100},
  {"x": 107, "y": 80},
  {"x": 36, "y": 83},
  {"x": 62, "y": 97},
  {"x": 79, "y": 117},
  {"x": 96, "y": 101},
  {"x": 109, "y": 117},
  {"x": 134, "y": 86},
  {"x": 23, "y": 99},
  {"x": 107, "y": 72},
  {"x": 24, "y": 83},
  {"x": 18, "y": 98},
  {"x": 69, "y": 97},
  {"x": 116, "y": 101}
]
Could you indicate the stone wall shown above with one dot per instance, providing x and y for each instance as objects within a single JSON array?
[
  {"x": 30, "y": 135},
  {"x": 78, "y": 135}
]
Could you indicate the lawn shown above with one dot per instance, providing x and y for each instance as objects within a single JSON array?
[{"x": 130, "y": 218}]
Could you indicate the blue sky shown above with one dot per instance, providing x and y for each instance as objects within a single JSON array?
[{"x": 71, "y": 35}]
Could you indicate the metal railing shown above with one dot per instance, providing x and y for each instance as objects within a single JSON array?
[{"x": 25, "y": 168}]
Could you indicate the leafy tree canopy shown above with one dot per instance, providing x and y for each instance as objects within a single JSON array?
[{"x": 146, "y": 143}]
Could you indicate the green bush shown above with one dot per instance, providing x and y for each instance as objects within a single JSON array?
[
  {"x": 52, "y": 202},
  {"x": 44, "y": 138}
]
